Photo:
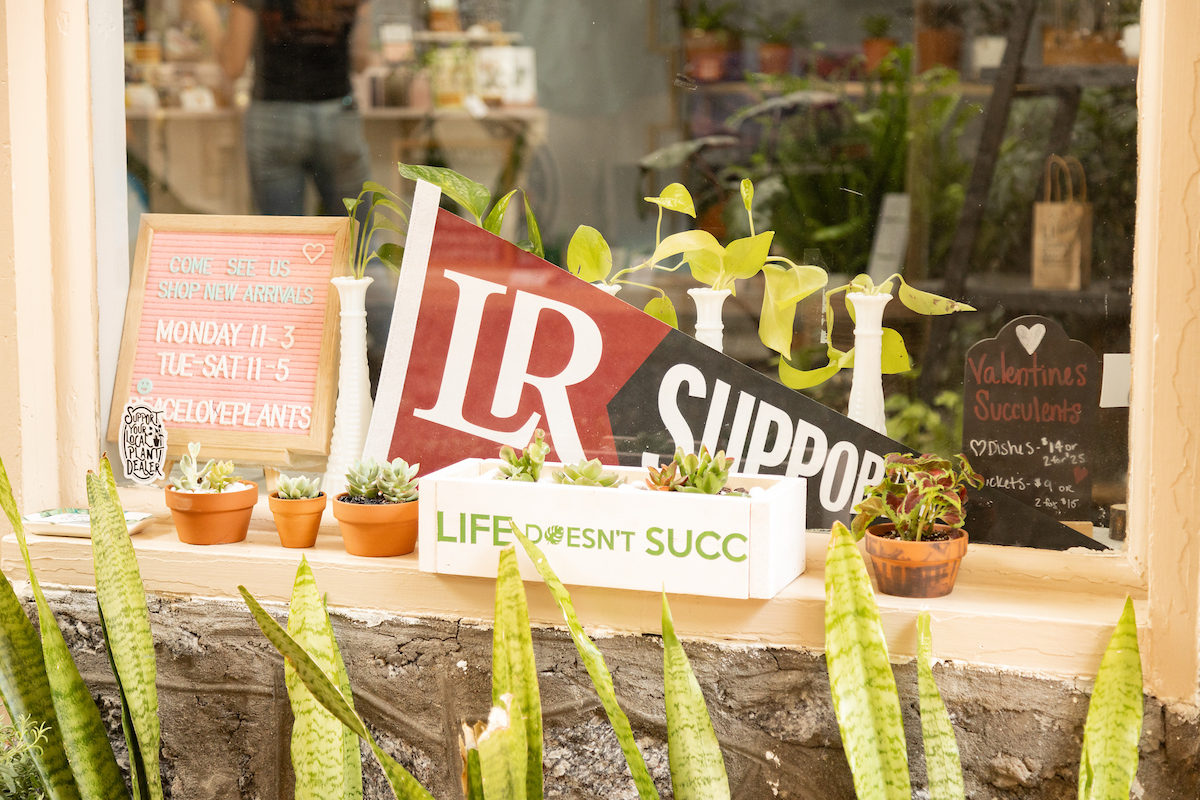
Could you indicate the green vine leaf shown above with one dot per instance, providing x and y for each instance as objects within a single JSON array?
[
  {"x": 678, "y": 243},
  {"x": 928, "y": 303},
  {"x": 675, "y": 197},
  {"x": 588, "y": 255},
  {"x": 495, "y": 218},
  {"x": 472, "y": 196},
  {"x": 663, "y": 310}
]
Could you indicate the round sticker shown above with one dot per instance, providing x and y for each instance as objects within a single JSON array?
[{"x": 145, "y": 386}]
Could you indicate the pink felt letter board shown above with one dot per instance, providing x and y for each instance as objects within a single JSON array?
[{"x": 231, "y": 330}]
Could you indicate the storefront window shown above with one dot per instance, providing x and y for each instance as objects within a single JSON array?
[{"x": 881, "y": 137}]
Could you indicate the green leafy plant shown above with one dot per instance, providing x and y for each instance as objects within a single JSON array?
[
  {"x": 475, "y": 198},
  {"x": 917, "y": 492},
  {"x": 877, "y": 26},
  {"x": 298, "y": 488},
  {"x": 502, "y": 757},
  {"x": 39, "y": 679},
  {"x": 527, "y": 464},
  {"x": 777, "y": 28},
  {"x": 586, "y": 473},
  {"x": 376, "y": 208},
  {"x": 214, "y": 477},
  {"x": 926, "y": 428},
  {"x": 895, "y": 354},
  {"x": 705, "y": 17},
  {"x": 19, "y": 742},
  {"x": 369, "y": 481}
]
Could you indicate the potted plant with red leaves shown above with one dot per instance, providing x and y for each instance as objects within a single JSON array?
[{"x": 917, "y": 553}]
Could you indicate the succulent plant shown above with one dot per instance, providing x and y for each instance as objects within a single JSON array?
[
  {"x": 666, "y": 479},
  {"x": 393, "y": 482},
  {"x": 587, "y": 473},
  {"x": 214, "y": 477},
  {"x": 298, "y": 488},
  {"x": 526, "y": 465},
  {"x": 705, "y": 473}
]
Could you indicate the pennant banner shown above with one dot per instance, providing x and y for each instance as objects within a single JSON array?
[{"x": 489, "y": 343}]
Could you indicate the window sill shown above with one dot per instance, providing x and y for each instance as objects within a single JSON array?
[{"x": 999, "y": 615}]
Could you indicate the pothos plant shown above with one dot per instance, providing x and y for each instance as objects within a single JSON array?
[
  {"x": 916, "y": 492},
  {"x": 895, "y": 354},
  {"x": 713, "y": 265}
]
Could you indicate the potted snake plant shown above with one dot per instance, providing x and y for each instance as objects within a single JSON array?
[
  {"x": 210, "y": 505},
  {"x": 917, "y": 552},
  {"x": 297, "y": 506},
  {"x": 377, "y": 513}
]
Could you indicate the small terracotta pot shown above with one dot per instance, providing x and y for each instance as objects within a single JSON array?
[
  {"x": 212, "y": 518},
  {"x": 709, "y": 54},
  {"x": 915, "y": 569},
  {"x": 386, "y": 529},
  {"x": 774, "y": 58},
  {"x": 938, "y": 47},
  {"x": 875, "y": 50},
  {"x": 297, "y": 520}
]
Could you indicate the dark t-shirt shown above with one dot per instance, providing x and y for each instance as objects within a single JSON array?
[{"x": 302, "y": 51}]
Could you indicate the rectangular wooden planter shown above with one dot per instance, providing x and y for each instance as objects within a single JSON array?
[{"x": 719, "y": 546}]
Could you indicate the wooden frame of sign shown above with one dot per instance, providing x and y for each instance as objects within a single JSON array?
[{"x": 214, "y": 304}]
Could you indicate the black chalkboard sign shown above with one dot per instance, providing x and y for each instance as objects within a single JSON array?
[{"x": 1030, "y": 400}]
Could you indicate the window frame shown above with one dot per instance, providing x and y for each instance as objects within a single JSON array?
[{"x": 63, "y": 322}]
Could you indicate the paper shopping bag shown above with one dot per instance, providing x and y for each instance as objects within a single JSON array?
[{"x": 1062, "y": 229}]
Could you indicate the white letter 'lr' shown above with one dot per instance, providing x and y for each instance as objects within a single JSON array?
[{"x": 514, "y": 368}]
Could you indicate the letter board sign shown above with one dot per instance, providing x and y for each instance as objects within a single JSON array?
[{"x": 489, "y": 342}]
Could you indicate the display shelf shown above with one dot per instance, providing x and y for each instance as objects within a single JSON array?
[
  {"x": 513, "y": 113},
  {"x": 467, "y": 37},
  {"x": 1090, "y": 75}
]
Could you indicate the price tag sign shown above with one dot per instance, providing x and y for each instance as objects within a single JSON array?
[
  {"x": 230, "y": 332},
  {"x": 1030, "y": 398}
]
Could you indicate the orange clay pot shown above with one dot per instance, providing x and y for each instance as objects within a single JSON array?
[
  {"x": 385, "y": 529},
  {"x": 221, "y": 518},
  {"x": 774, "y": 58},
  {"x": 297, "y": 520},
  {"x": 915, "y": 569},
  {"x": 875, "y": 51}
]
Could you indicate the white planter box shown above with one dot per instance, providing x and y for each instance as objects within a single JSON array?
[{"x": 719, "y": 546}]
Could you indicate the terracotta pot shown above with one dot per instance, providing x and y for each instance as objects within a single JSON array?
[
  {"x": 915, "y": 569},
  {"x": 774, "y": 58},
  {"x": 386, "y": 529},
  {"x": 939, "y": 47},
  {"x": 212, "y": 518},
  {"x": 297, "y": 520},
  {"x": 709, "y": 54},
  {"x": 875, "y": 50}
]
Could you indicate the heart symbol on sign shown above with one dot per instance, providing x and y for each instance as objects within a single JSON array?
[
  {"x": 1031, "y": 337},
  {"x": 318, "y": 250},
  {"x": 977, "y": 446},
  {"x": 1080, "y": 474}
]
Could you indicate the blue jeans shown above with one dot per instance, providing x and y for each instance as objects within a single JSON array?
[{"x": 285, "y": 141}]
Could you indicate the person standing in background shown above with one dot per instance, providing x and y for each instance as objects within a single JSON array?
[{"x": 302, "y": 120}]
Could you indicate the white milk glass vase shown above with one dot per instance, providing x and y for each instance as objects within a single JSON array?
[
  {"x": 866, "y": 390},
  {"x": 708, "y": 315},
  {"x": 352, "y": 414},
  {"x": 609, "y": 289}
]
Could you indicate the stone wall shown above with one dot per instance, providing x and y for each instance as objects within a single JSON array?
[{"x": 226, "y": 720}]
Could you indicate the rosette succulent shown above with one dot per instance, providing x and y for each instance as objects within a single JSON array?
[
  {"x": 587, "y": 473},
  {"x": 526, "y": 465},
  {"x": 213, "y": 478},
  {"x": 699, "y": 474},
  {"x": 298, "y": 488},
  {"x": 389, "y": 482}
]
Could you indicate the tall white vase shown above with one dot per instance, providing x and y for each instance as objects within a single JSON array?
[
  {"x": 866, "y": 391},
  {"x": 610, "y": 289},
  {"x": 709, "y": 326},
  {"x": 352, "y": 414}
]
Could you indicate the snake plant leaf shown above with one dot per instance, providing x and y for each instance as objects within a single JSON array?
[
  {"x": 596, "y": 668},
  {"x": 137, "y": 765},
  {"x": 1109, "y": 760},
  {"x": 403, "y": 784},
  {"x": 531, "y": 226},
  {"x": 928, "y": 303},
  {"x": 514, "y": 672},
  {"x": 942, "y": 766},
  {"x": 675, "y": 197},
  {"x": 697, "y": 766},
  {"x": 895, "y": 354},
  {"x": 24, "y": 684},
  {"x": 122, "y": 600},
  {"x": 860, "y": 676},
  {"x": 351, "y": 755},
  {"x": 588, "y": 256},
  {"x": 472, "y": 196},
  {"x": 744, "y": 258},
  {"x": 472, "y": 776},
  {"x": 678, "y": 243},
  {"x": 495, "y": 218},
  {"x": 502, "y": 752},
  {"x": 747, "y": 193},
  {"x": 317, "y": 745},
  {"x": 663, "y": 310}
]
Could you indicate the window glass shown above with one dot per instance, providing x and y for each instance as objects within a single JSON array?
[{"x": 870, "y": 129}]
